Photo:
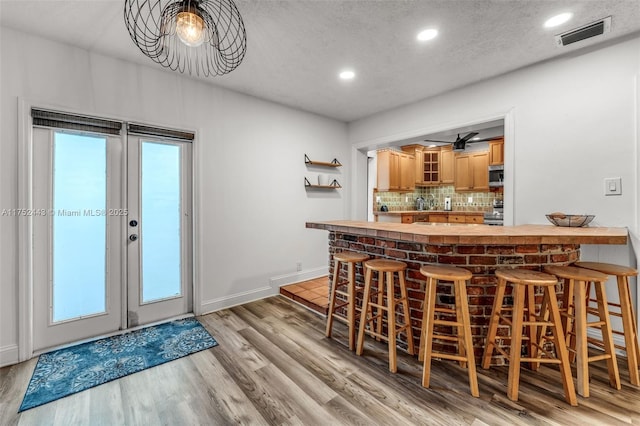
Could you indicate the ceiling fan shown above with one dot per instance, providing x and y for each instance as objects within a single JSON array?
[{"x": 460, "y": 142}]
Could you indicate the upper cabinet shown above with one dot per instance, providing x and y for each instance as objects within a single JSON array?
[
  {"x": 447, "y": 165},
  {"x": 496, "y": 152},
  {"x": 472, "y": 172},
  {"x": 427, "y": 164},
  {"x": 396, "y": 171}
]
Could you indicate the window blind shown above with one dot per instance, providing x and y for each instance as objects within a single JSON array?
[
  {"x": 60, "y": 120},
  {"x": 142, "y": 130}
]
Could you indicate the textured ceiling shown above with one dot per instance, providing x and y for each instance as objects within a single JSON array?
[{"x": 296, "y": 47}]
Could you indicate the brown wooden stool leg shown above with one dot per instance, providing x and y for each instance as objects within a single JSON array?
[
  {"x": 379, "y": 311},
  {"x": 351, "y": 307},
  {"x": 332, "y": 297},
  {"x": 429, "y": 317},
  {"x": 516, "y": 342},
  {"x": 630, "y": 329},
  {"x": 531, "y": 328},
  {"x": 607, "y": 335},
  {"x": 391, "y": 322},
  {"x": 461, "y": 292},
  {"x": 364, "y": 315},
  {"x": 561, "y": 348},
  {"x": 493, "y": 323},
  {"x": 407, "y": 313},
  {"x": 582, "y": 355}
]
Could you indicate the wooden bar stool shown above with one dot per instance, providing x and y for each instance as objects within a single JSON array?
[
  {"x": 626, "y": 312},
  {"x": 524, "y": 315},
  {"x": 386, "y": 302},
  {"x": 575, "y": 307},
  {"x": 351, "y": 259},
  {"x": 462, "y": 322}
]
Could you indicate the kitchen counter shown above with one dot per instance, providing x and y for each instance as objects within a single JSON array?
[
  {"x": 477, "y": 234},
  {"x": 479, "y": 248}
]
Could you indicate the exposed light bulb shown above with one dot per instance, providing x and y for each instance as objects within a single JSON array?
[
  {"x": 190, "y": 28},
  {"x": 427, "y": 34},
  {"x": 557, "y": 20},
  {"x": 347, "y": 75}
]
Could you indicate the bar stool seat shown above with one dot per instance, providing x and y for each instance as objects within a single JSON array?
[
  {"x": 524, "y": 314},
  {"x": 349, "y": 296},
  {"x": 575, "y": 309},
  {"x": 386, "y": 303},
  {"x": 462, "y": 322},
  {"x": 626, "y": 312}
]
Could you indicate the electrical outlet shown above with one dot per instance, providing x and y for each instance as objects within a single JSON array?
[
  {"x": 469, "y": 200},
  {"x": 298, "y": 266},
  {"x": 378, "y": 199}
]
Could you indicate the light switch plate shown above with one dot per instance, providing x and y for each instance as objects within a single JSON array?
[{"x": 613, "y": 186}]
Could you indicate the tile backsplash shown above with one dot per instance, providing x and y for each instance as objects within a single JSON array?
[{"x": 397, "y": 201}]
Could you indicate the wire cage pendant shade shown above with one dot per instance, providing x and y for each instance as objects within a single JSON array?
[{"x": 203, "y": 38}]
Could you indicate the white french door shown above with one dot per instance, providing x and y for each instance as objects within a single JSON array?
[
  {"x": 159, "y": 229},
  {"x": 111, "y": 233}
]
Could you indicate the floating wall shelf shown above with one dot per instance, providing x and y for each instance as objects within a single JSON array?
[
  {"x": 333, "y": 163},
  {"x": 333, "y": 185}
]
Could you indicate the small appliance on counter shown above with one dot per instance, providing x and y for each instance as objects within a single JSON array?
[
  {"x": 419, "y": 203},
  {"x": 447, "y": 204}
]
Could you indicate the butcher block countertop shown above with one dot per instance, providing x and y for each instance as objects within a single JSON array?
[{"x": 447, "y": 233}]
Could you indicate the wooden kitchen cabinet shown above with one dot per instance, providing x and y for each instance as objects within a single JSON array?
[
  {"x": 480, "y": 171},
  {"x": 439, "y": 217},
  {"x": 407, "y": 172},
  {"x": 395, "y": 171},
  {"x": 496, "y": 152},
  {"x": 457, "y": 218},
  {"x": 474, "y": 218},
  {"x": 472, "y": 172},
  {"x": 447, "y": 165}
]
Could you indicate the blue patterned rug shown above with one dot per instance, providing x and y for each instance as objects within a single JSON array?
[{"x": 67, "y": 371}]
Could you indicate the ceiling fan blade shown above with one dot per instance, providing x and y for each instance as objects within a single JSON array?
[
  {"x": 485, "y": 139},
  {"x": 467, "y": 137},
  {"x": 432, "y": 140}
]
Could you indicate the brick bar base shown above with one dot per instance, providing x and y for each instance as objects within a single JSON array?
[{"x": 481, "y": 260}]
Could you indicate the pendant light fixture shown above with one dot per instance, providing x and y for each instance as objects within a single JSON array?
[{"x": 205, "y": 37}]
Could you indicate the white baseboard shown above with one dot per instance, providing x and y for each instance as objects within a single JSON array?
[
  {"x": 219, "y": 303},
  {"x": 272, "y": 289},
  {"x": 297, "y": 277},
  {"x": 9, "y": 355}
]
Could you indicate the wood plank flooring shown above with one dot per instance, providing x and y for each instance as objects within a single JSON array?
[{"x": 275, "y": 367}]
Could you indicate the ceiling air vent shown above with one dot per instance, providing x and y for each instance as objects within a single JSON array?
[{"x": 593, "y": 29}]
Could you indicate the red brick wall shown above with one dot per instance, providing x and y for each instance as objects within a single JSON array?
[{"x": 481, "y": 260}]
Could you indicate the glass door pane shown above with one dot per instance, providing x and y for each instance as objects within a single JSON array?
[
  {"x": 161, "y": 275},
  {"x": 79, "y": 226}
]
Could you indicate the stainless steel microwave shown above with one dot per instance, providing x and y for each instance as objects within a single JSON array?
[{"x": 496, "y": 175}]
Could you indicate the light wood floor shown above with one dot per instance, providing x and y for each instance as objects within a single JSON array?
[{"x": 274, "y": 366}]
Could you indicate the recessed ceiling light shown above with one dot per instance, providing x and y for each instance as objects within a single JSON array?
[
  {"x": 427, "y": 34},
  {"x": 433, "y": 145},
  {"x": 475, "y": 139},
  {"x": 347, "y": 75},
  {"x": 560, "y": 19}
]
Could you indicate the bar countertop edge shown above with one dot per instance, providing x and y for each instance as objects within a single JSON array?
[{"x": 477, "y": 234}]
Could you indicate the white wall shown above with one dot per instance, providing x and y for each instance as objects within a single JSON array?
[
  {"x": 253, "y": 205},
  {"x": 574, "y": 124}
]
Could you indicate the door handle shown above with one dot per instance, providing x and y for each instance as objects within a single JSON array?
[{"x": 133, "y": 237}]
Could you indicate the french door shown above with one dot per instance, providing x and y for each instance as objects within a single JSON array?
[{"x": 111, "y": 233}]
